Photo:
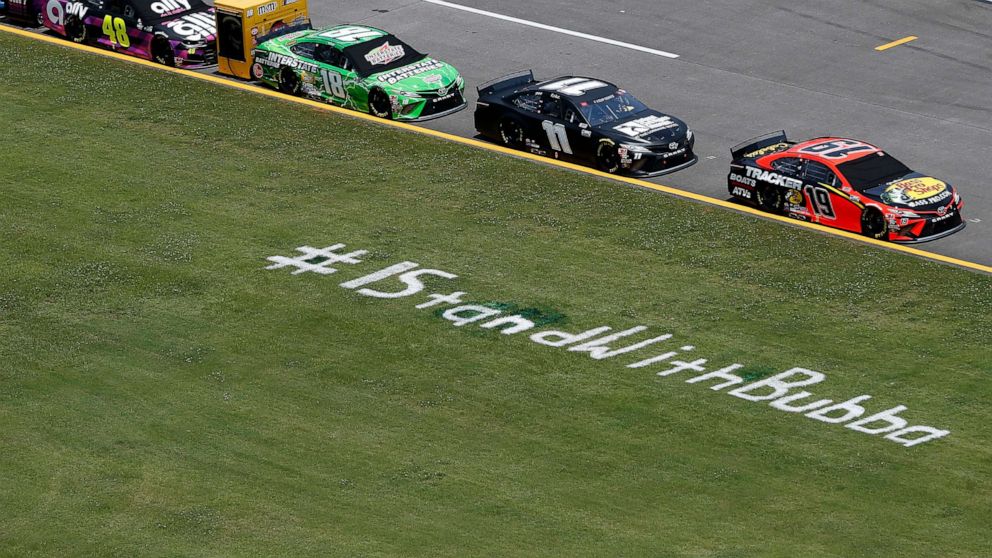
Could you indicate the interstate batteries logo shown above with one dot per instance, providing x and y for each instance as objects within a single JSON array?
[
  {"x": 385, "y": 54},
  {"x": 912, "y": 190}
]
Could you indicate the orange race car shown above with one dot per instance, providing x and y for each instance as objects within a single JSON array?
[{"x": 844, "y": 183}]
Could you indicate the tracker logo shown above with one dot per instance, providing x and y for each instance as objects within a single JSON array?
[
  {"x": 170, "y": 7},
  {"x": 774, "y": 178}
]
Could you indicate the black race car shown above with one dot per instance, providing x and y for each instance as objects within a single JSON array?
[{"x": 584, "y": 120}]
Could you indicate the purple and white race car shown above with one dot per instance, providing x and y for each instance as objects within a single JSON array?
[{"x": 172, "y": 32}]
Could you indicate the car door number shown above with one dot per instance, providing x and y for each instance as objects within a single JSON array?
[
  {"x": 557, "y": 136},
  {"x": 819, "y": 201},
  {"x": 116, "y": 31},
  {"x": 333, "y": 84}
]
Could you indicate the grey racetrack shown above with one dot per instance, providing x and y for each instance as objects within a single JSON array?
[{"x": 747, "y": 67}]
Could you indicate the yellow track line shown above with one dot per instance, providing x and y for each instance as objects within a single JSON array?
[
  {"x": 244, "y": 86},
  {"x": 901, "y": 41}
]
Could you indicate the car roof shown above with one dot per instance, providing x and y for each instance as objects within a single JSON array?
[
  {"x": 576, "y": 88},
  {"x": 343, "y": 36},
  {"x": 803, "y": 148}
]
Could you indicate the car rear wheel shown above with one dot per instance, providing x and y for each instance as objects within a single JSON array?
[
  {"x": 162, "y": 52},
  {"x": 608, "y": 158},
  {"x": 511, "y": 134},
  {"x": 379, "y": 104},
  {"x": 75, "y": 30},
  {"x": 289, "y": 82},
  {"x": 873, "y": 224},
  {"x": 770, "y": 198}
]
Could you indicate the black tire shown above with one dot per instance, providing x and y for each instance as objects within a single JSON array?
[
  {"x": 511, "y": 133},
  {"x": 873, "y": 224},
  {"x": 162, "y": 52},
  {"x": 39, "y": 17},
  {"x": 608, "y": 158},
  {"x": 770, "y": 198},
  {"x": 289, "y": 81},
  {"x": 379, "y": 104},
  {"x": 75, "y": 30}
]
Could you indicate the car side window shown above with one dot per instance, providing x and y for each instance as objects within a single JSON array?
[
  {"x": 304, "y": 49},
  {"x": 551, "y": 107},
  {"x": 530, "y": 102},
  {"x": 818, "y": 172},
  {"x": 787, "y": 165},
  {"x": 571, "y": 115}
]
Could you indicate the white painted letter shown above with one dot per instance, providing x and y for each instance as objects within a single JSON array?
[
  {"x": 521, "y": 324},
  {"x": 565, "y": 338},
  {"x": 413, "y": 285},
  {"x": 850, "y": 407},
  {"x": 778, "y": 387},
  {"x": 598, "y": 350},
  {"x": 379, "y": 275},
  {"x": 931, "y": 434},
  {"x": 482, "y": 312},
  {"x": 724, "y": 373},
  {"x": 888, "y": 417},
  {"x": 435, "y": 299},
  {"x": 679, "y": 366}
]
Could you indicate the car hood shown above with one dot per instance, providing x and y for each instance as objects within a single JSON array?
[
  {"x": 913, "y": 191},
  {"x": 646, "y": 127},
  {"x": 428, "y": 74},
  {"x": 192, "y": 26}
]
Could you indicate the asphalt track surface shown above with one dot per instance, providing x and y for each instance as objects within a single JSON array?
[
  {"x": 747, "y": 67},
  {"x": 744, "y": 68}
]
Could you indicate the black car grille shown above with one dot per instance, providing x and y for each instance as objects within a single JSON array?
[
  {"x": 932, "y": 228},
  {"x": 435, "y": 105}
]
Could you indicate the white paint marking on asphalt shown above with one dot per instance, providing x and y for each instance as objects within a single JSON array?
[{"x": 555, "y": 29}]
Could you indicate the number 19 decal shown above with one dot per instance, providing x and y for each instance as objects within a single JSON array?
[
  {"x": 557, "y": 136},
  {"x": 819, "y": 201},
  {"x": 116, "y": 30}
]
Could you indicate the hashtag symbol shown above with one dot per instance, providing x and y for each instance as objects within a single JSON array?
[{"x": 316, "y": 260}]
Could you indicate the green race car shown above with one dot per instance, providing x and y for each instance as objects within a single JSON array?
[{"x": 362, "y": 68}]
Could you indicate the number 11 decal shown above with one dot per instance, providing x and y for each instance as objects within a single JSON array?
[{"x": 557, "y": 136}]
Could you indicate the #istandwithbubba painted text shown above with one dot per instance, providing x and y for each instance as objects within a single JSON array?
[{"x": 781, "y": 391}]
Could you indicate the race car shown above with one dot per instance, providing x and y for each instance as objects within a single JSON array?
[
  {"x": 361, "y": 68},
  {"x": 843, "y": 183},
  {"x": 171, "y": 32},
  {"x": 24, "y": 10},
  {"x": 585, "y": 120}
]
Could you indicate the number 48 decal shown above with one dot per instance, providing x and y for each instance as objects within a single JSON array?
[{"x": 116, "y": 30}]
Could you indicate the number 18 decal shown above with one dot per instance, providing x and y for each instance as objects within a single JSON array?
[
  {"x": 333, "y": 83},
  {"x": 819, "y": 201},
  {"x": 116, "y": 30},
  {"x": 557, "y": 136}
]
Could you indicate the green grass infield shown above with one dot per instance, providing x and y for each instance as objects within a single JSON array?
[{"x": 162, "y": 393}]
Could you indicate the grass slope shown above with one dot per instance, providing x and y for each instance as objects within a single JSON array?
[{"x": 162, "y": 395}]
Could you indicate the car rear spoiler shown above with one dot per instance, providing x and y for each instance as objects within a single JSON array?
[
  {"x": 510, "y": 81},
  {"x": 758, "y": 143},
  {"x": 305, "y": 26}
]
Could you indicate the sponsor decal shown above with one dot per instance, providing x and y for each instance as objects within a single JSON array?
[
  {"x": 734, "y": 177},
  {"x": 774, "y": 178},
  {"x": 257, "y": 71},
  {"x": 672, "y": 153},
  {"x": 657, "y": 353},
  {"x": 795, "y": 197},
  {"x": 270, "y": 7},
  {"x": 55, "y": 12},
  {"x": 170, "y": 7},
  {"x": 276, "y": 60},
  {"x": 382, "y": 55},
  {"x": 915, "y": 191},
  {"x": 766, "y": 150},
  {"x": 645, "y": 126},
  {"x": 741, "y": 192},
  {"x": 193, "y": 27},
  {"x": 79, "y": 10},
  {"x": 399, "y": 74}
]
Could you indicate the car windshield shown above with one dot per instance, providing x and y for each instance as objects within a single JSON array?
[
  {"x": 615, "y": 107},
  {"x": 381, "y": 55},
  {"x": 872, "y": 170}
]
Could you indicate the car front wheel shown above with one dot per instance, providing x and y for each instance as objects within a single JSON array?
[
  {"x": 873, "y": 224},
  {"x": 379, "y": 104}
]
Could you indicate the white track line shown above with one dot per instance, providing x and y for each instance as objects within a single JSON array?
[{"x": 555, "y": 29}]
